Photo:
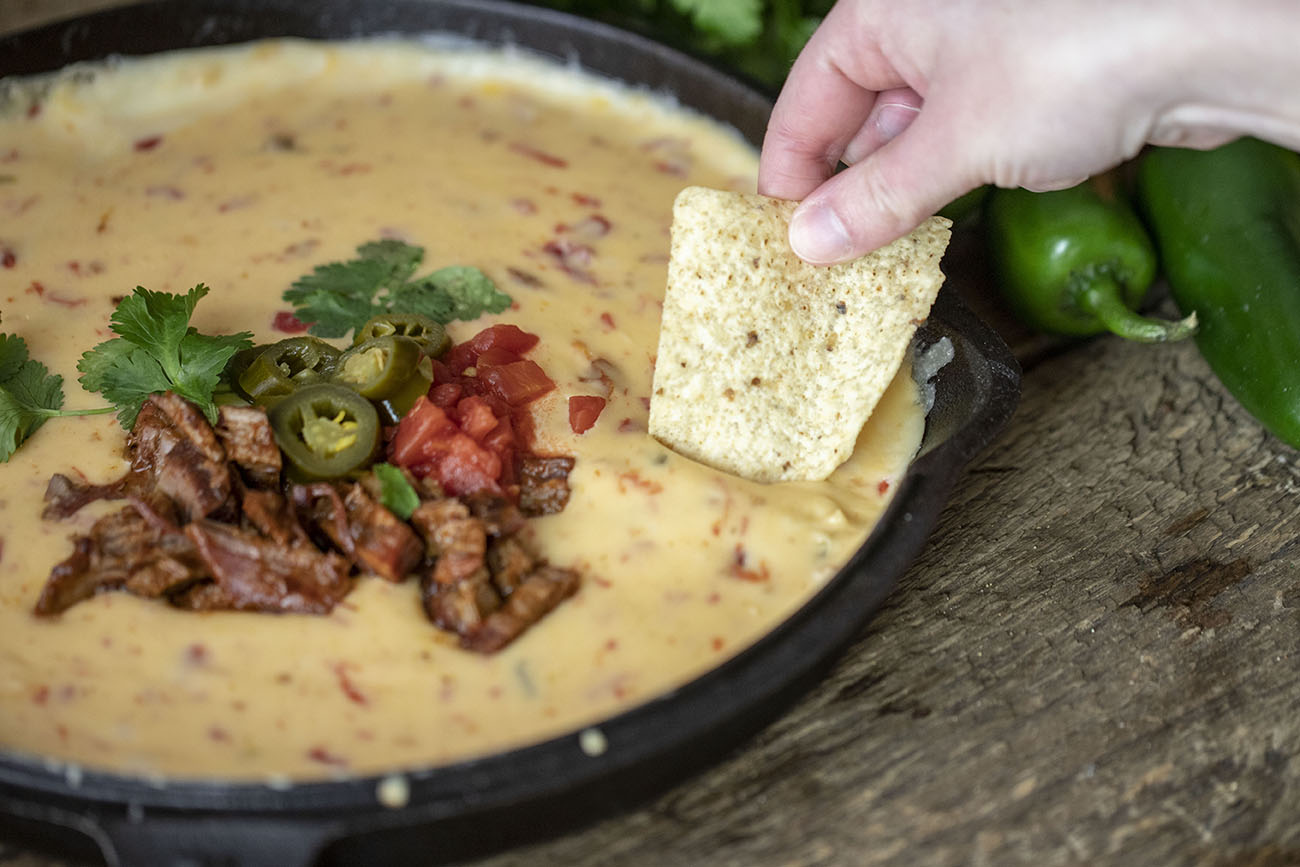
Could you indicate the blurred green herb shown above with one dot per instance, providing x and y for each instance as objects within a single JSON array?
[{"x": 759, "y": 38}]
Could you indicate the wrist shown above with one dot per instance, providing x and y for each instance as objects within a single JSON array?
[{"x": 1236, "y": 74}]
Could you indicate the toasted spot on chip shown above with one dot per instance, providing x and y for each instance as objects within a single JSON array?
[{"x": 832, "y": 338}]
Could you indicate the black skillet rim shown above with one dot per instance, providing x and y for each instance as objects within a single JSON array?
[{"x": 701, "y": 718}]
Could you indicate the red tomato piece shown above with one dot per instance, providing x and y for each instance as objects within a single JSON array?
[
  {"x": 517, "y": 383},
  {"x": 467, "y": 468},
  {"x": 509, "y": 338},
  {"x": 446, "y": 394},
  {"x": 475, "y": 417},
  {"x": 496, "y": 355},
  {"x": 584, "y": 409},
  {"x": 419, "y": 432}
]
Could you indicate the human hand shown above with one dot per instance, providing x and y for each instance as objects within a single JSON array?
[{"x": 927, "y": 99}]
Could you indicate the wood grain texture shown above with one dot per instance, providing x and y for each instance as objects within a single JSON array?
[{"x": 1095, "y": 661}]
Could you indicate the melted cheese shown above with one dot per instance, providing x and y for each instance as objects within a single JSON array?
[{"x": 243, "y": 168}]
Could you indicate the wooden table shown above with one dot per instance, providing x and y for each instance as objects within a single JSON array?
[{"x": 1096, "y": 660}]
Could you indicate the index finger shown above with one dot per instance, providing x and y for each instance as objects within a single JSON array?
[{"x": 820, "y": 109}]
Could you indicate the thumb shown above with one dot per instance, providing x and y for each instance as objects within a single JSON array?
[{"x": 883, "y": 197}]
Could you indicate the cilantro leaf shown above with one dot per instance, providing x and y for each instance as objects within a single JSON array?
[
  {"x": 157, "y": 350},
  {"x": 395, "y": 492},
  {"x": 29, "y": 396},
  {"x": 339, "y": 297},
  {"x": 455, "y": 292},
  {"x": 13, "y": 352},
  {"x": 400, "y": 258},
  {"x": 125, "y": 375},
  {"x": 157, "y": 319}
]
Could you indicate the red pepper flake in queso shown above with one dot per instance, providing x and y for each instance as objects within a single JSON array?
[
  {"x": 740, "y": 568},
  {"x": 148, "y": 143},
  {"x": 572, "y": 257},
  {"x": 539, "y": 155},
  {"x": 285, "y": 322}
]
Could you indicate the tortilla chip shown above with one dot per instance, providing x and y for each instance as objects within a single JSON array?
[{"x": 768, "y": 367}]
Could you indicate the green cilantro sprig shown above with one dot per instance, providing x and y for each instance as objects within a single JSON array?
[
  {"x": 341, "y": 296},
  {"x": 29, "y": 395},
  {"x": 157, "y": 350},
  {"x": 396, "y": 493}
]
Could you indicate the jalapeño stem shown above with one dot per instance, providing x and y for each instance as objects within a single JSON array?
[{"x": 1103, "y": 297}]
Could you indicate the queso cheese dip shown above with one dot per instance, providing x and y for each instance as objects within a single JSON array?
[{"x": 243, "y": 168}]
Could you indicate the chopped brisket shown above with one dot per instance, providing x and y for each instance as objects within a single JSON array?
[
  {"x": 453, "y": 536},
  {"x": 320, "y": 506},
  {"x": 123, "y": 550},
  {"x": 173, "y": 444},
  {"x": 457, "y": 593},
  {"x": 209, "y": 529},
  {"x": 245, "y": 434},
  {"x": 544, "y": 484},
  {"x": 509, "y": 562},
  {"x": 256, "y": 574},
  {"x": 268, "y": 512},
  {"x": 461, "y": 607},
  {"x": 384, "y": 544},
  {"x": 64, "y": 496},
  {"x": 371, "y": 536},
  {"x": 540, "y": 592},
  {"x": 500, "y": 517}
]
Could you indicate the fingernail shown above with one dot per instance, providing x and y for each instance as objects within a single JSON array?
[
  {"x": 893, "y": 118},
  {"x": 818, "y": 235}
]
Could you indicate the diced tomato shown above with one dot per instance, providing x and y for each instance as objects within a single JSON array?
[
  {"x": 418, "y": 433},
  {"x": 475, "y": 417},
  {"x": 517, "y": 383},
  {"x": 447, "y": 394},
  {"x": 584, "y": 409},
  {"x": 496, "y": 355},
  {"x": 495, "y": 337},
  {"x": 467, "y": 431},
  {"x": 501, "y": 439},
  {"x": 467, "y": 468}
]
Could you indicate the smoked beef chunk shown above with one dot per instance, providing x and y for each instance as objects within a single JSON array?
[
  {"x": 256, "y": 574},
  {"x": 64, "y": 496},
  {"x": 123, "y": 550},
  {"x": 544, "y": 484},
  {"x": 209, "y": 528},
  {"x": 173, "y": 444},
  {"x": 245, "y": 434},
  {"x": 545, "y": 588},
  {"x": 269, "y": 513},
  {"x": 371, "y": 536},
  {"x": 485, "y": 585}
]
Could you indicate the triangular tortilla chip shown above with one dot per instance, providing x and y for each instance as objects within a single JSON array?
[{"x": 768, "y": 367}]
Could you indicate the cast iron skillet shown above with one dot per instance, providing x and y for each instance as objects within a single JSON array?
[{"x": 472, "y": 807}]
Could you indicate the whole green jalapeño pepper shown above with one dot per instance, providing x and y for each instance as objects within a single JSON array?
[
  {"x": 1227, "y": 222},
  {"x": 325, "y": 431},
  {"x": 283, "y": 367},
  {"x": 1075, "y": 262}
]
